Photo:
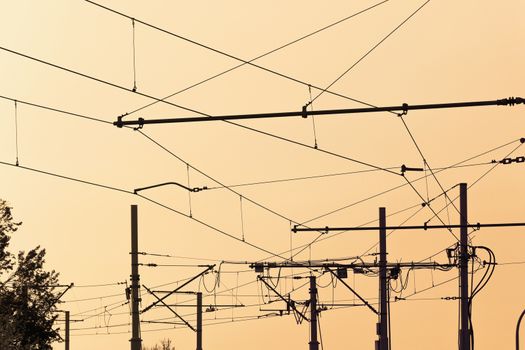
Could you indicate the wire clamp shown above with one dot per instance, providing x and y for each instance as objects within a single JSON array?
[
  {"x": 119, "y": 123},
  {"x": 304, "y": 111},
  {"x": 404, "y": 111},
  {"x": 140, "y": 124}
]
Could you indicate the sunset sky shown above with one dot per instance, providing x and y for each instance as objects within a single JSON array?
[{"x": 72, "y": 65}]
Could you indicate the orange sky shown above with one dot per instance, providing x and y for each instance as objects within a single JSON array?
[{"x": 449, "y": 51}]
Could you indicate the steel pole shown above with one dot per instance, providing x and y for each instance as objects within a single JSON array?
[
  {"x": 199, "y": 321},
  {"x": 383, "y": 283},
  {"x": 314, "y": 344},
  {"x": 136, "y": 341},
  {"x": 464, "y": 332}
]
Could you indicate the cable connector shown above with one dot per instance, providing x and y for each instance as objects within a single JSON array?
[
  {"x": 198, "y": 189},
  {"x": 506, "y": 161}
]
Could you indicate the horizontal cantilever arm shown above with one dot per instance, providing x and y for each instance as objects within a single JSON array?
[
  {"x": 327, "y": 229},
  {"x": 404, "y": 108}
]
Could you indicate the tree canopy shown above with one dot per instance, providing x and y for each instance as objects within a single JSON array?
[{"x": 28, "y": 293}]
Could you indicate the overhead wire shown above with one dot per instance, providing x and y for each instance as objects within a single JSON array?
[
  {"x": 69, "y": 178},
  {"x": 239, "y": 318},
  {"x": 195, "y": 111}
]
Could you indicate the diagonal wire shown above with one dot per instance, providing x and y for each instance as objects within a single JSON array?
[
  {"x": 430, "y": 207},
  {"x": 370, "y": 51},
  {"x": 477, "y": 180},
  {"x": 425, "y": 160}
]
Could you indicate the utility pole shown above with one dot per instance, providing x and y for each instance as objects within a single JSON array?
[
  {"x": 67, "y": 330},
  {"x": 314, "y": 344},
  {"x": 382, "y": 343},
  {"x": 136, "y": 341},
  {"x": 464, "y": 331},
  {"x": 199, "y": 320}
]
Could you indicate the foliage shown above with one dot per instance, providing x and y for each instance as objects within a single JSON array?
[
  {"x": 165, "y": 344},
  {"x": 27, "y": 294}
]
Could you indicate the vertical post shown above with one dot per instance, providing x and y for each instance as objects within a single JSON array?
[
  {"x": 464, "y": 332},
  {"x": 136, "y": 342},
  {"x": 199, "y": 321},
  {"x": 67, "y": 331},
  {"x": 314, "y": 344},
  {"x": 383, "y": 283}
]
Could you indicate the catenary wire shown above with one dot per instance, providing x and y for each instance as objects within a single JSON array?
[
  {"x": 93, "y": 78},
  {"x": 201, "y": 113},
  {"x": 320, "y": 176},
  {"x": 243, "y": 62}
]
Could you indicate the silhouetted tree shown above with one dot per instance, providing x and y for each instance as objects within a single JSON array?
[
  {"x": 27, "y": 294},
  {"x": 165, "y": 344}
]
